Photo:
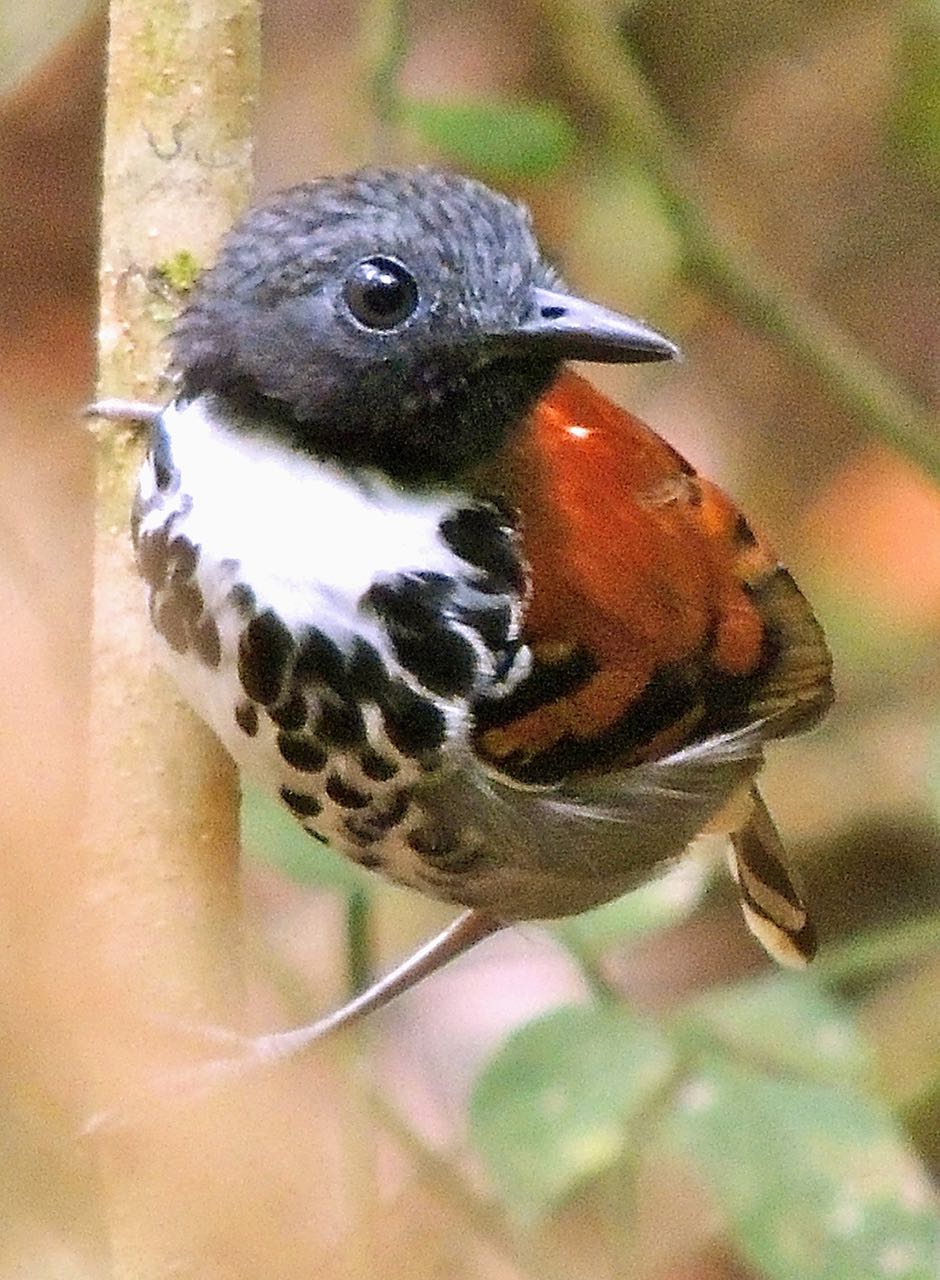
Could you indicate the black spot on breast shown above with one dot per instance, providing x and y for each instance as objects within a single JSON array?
[
  {"x": 417, "y": 613},
  {"x": 413, "y": 724},
  {"x": 491, "y": 623},
  {"x": 433, "y": 840},
  {"x": 344, "y": 794},
  {"x": 301, "y": 753},
  {"x": 292, "y": 715},
  {"x": 153, "y": 556},
  {"x": 368, "y": 677},
  {"x": 441, "y": 660},
  {"x": 163, "y": 469},
  {"x": 184, "y": 557},
  {"x": 243, "y": 598},
  {"x": 383, "y": 820},
  {"x": 340, "y": 722},
  {"x": 377, "y": 767},
  {"x": 246, "y": 717},
  {"x": 170, "y": 621},
  {"x": 410, "y": 601},
  {"x": 206, "y": 642},
  {"x": 189, "y": 600},
  {"x": 479, "y": 536},
  {"x": 265, "y": 648},
  {"x": 320, "y": 661},
  {"x": 371, "y": 861},
  {"x": 304, "y": 806},
  {"x": 360, "y": 830}
]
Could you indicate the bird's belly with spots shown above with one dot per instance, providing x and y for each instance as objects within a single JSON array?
[
  {"x": 342, "y": 696},
  {"x": 320, "y": 716}
]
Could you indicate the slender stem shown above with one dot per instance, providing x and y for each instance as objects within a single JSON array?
[
  {"x": 480, "y": 1215},
  {"x": 358, "y": 940},
  {"x": 873, "y": 953},
  {"x": 714, "y": 259},
  {"x": 386, "y": 35}
]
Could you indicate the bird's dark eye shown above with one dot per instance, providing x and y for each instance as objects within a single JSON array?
[{"x": 380, "y": 293}]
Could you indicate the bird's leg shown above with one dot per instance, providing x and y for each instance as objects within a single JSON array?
[
  {"x": 238, "y": 1054},
  {"x": 463, "y": 933},
  {"x": 113, "y": 409}
]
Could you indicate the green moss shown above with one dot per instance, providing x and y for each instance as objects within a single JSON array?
[
  {"x": 157, "y": 50},
  {"x": 179, "y": 271}
]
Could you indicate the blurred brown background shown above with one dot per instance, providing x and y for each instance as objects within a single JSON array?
[{"x": 805, "y": 131}]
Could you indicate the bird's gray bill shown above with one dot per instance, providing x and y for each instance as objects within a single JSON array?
[{"x": 575, "y": 329}]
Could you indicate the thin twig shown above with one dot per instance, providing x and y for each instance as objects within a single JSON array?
[
  {"x": 875, "y": 953},
  {"x": 599, "y": 62},
  {"x": 386, "y": 39}
]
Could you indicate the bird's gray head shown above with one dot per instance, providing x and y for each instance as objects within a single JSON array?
[{"x": 402, "y": 319}]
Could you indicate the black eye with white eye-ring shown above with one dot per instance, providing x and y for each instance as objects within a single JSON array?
[{"x": 380, "y": 293}]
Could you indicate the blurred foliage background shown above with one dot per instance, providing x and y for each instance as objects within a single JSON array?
[{"x": 633, "y": 1093}]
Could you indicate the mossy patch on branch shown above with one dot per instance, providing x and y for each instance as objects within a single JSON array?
[{"x": 179, "y": 271}]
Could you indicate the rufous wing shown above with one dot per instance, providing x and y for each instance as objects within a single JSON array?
[
  {"x": 657, "y": 615},
  {"x": 658, "y": 619}
]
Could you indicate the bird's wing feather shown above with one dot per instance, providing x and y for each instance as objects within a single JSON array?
[{"x": 657, "y": 616}]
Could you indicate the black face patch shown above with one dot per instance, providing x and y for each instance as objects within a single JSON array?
[{"x": 265, "y": 649}]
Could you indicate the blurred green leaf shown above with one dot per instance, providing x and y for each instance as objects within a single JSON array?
[
  {"x": 915, "y": 111},
  {"x": 272, "y": 836},
  {"x": 817, "y": 1183},
  {"x": 656, "y": 905},
  {"x": 502, "y": 139},
  {"x": 553, "y": 1107},
  {"x": 784, "y": 1021}
]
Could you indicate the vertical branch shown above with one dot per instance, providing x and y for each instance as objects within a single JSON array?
[
  {"x": 161, "y": 825},
  {"x": 162, "y": 811}
]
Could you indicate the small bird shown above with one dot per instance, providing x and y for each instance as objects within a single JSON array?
[{"x": 476, "y": 626}]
